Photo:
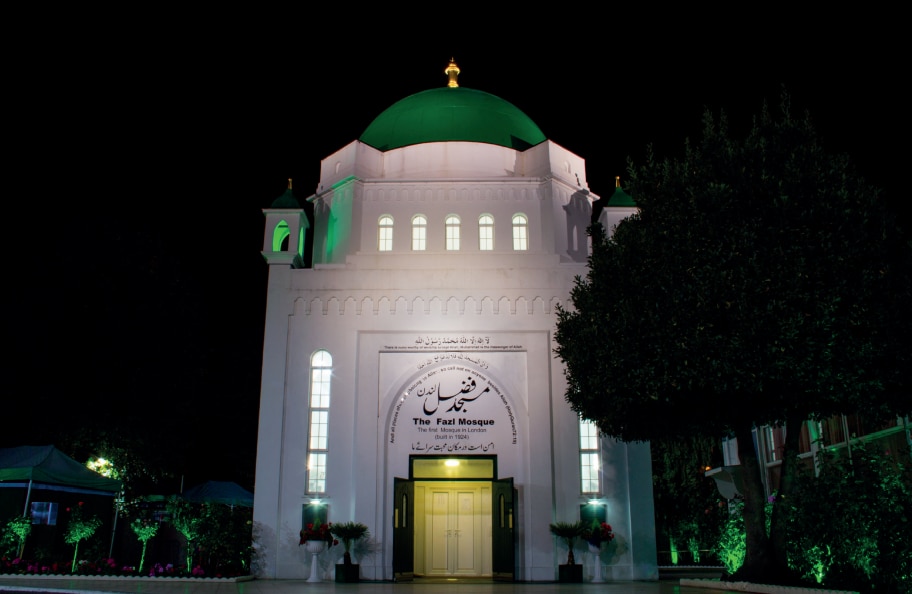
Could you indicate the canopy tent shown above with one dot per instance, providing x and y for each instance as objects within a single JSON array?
[
  {"x": 220, "y": 492},
  {"x": 46, "y": 467}
]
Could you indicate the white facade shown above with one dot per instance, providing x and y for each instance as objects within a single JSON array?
[{"x": 436, "y": 353}]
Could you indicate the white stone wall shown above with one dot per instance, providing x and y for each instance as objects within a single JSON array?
[{"x": 390, "y": 319}]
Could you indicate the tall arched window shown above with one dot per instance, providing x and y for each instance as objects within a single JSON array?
[
  {"x": 452, "y": 233},
  {"x": 385, "y": 234},
  {"x": 589, "y": 457},
  {"x": 318, "y": 432},
  {"x": 486, "y": 232},
  {"x": 419, "y": 233},
  {"x": 520, "y": 232}
]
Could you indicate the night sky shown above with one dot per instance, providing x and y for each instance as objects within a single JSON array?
[{"x": 135, "y": 291}]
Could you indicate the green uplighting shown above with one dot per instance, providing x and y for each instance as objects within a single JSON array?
[{"x": 279, "y": 236}]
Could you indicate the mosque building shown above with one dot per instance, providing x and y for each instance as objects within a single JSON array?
[{"x": 409, "y": 379}]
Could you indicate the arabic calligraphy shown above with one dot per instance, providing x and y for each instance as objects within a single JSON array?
[
  {"x": 453, "y": 340},
  {"x": 468, "y": 386},
  {"x": 440, "y": 357},
  {"x": 451, "y": 447}
]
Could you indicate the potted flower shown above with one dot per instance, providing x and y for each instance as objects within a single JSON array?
[
  {"x": 316, "y": 539},
  {"x": 569, "y": 531},
  {"x": 597, "y": 533},
  {"x": 348, "y": 533},
  {"x": 320, "y": 535}
]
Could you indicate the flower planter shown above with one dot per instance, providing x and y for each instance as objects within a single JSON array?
[
  {"x": 350, "y": 573},
  {"x": 314, "y": 547},
  {"x": 570, "y": 573},
  {"x": 596, "y": 552}
]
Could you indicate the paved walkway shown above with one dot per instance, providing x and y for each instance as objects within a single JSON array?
[
  {"x": 31, "y": 585},
  {"x": 21, "y": 585}
]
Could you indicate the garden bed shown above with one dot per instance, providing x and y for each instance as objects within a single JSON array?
[{"x": 123, "y": 578}]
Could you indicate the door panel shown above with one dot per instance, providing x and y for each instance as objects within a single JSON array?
[
  {"x": 503, "y": 498},
  {"x": 438, "y": 533},
  {"x": 467, "y": 548},
  {"x": 453, "y": 535},
  {"x": 403, "y": 530}
]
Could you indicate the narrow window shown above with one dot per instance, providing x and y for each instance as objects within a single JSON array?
[
  {"x": 452, "y": 233},
  {"x": 385, "y": 234},
  {"x": 486, "y": 233},
  {"x": 589, "y": 457},
  {"x": 419, "y": 233},
  {"x": 318, "y": 434},
  {"x": 520, "y": 232}
]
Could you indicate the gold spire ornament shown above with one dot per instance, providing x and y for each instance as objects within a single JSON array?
[{"x": 452, "y": 71}]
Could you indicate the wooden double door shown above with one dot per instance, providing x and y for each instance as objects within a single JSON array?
[
  {"x": 454, "y": 529},
  {"x": 456, "y": 542}
]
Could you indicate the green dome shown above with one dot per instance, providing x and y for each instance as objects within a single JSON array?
[
  {"x": 452, "y": 113},
  {"x": 621, "y": 198}
]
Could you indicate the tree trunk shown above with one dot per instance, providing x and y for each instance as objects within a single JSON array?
[
  {"x": 787, "y": 479},
  {"x": 758, "y": 559}
]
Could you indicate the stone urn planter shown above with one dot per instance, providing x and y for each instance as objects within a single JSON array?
[
  {"x": 595, "y": 535},
  {"x": 315, "y": 540},
  {"x": 315, "y": 547}
]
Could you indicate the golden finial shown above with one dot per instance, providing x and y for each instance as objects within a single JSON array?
[
  {"x": 617, "y": 181},
  {"x": 289, "y": 183},
  {"x": 452, "y": 71}
]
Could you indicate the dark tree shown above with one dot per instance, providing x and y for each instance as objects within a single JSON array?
[{"x": 762, "y": 282}]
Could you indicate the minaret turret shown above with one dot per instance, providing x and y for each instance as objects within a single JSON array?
[{"x": 286, "y": 225}]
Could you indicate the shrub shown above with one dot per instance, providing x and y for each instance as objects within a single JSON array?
[{"x": 851, "y": 525}]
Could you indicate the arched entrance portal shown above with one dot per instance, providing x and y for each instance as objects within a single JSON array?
[{"x": 453, "y": 518}]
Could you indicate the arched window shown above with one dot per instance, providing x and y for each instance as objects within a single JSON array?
[
  {"x": 280, "y": 237},
  {"x": 486, "y": 232},
  {"x": 520, "y": 232},
  {"x": 452, "y": 233},
  {"x": 318, "y": 432},
  {"x": 589, "y": 457},
  {"x": 385, "y": 234},
  {"x": 419, "y": 233}
]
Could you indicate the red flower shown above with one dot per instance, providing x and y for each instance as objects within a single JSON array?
[
  {"x": 598, "y": 533},
  {"x": 310, "y": 532}
]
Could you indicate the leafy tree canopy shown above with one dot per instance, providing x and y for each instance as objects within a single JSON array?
[
  {"x": 762, "y": 282},
  {"x": 761, "y": 278}
]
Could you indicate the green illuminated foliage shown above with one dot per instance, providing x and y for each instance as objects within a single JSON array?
[
  {"x": 731, "y": 548},
  {"x": 225, "y": 536},
  {"x": 186, "y": 519},
  {"x": 79, "y": 529},
  {"x": 852, "y": 524},
  {"x": 689, "y": 510},
  {"x": 122, "y": 453},
  {"x": 762, "y": 282},
  {"x": 15, "y": 533},
  {"x": 103, "y": 466},
  {"x": 144, "y": 530}
]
